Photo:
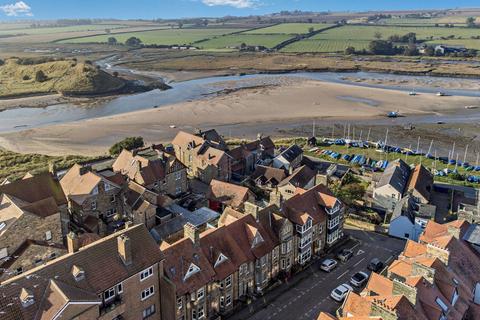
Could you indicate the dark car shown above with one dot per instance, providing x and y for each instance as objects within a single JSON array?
[
  {"x": 375, "y": 265},
  {"x": 345, "y": 255},
  {"x": 359, "y": 279}
]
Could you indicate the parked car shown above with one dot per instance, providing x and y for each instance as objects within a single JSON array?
[
  {"x": 359, "y": 279},
  {"x": 375, "y": 265},
  {"x": 344, "y": 255},
  {"x": 328, "y": 265},
  {"x": 340, "y": 292}
]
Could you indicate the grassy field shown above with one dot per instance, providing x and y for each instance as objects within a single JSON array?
[
  {"x": 338, "y": 39},
  {"x": 455, "y": 20},
  {"x": 290, "y": 28},
  {"x": 93, "y": 27},
  {"x": 236, "y": 40},
  {"x": 467, "y": 43},
  {"x": 61, "y": 76},
  {"x": 15, "y": 165},
  {"x": 165, "y": 37}
]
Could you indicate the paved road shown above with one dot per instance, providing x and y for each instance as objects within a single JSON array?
[{"x": 311, "y": 295}]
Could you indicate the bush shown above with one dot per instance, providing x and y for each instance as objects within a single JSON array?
[
  {"x": 2, "y": 62},
  {"x": 129, "y": 143},
  {"x": 40, "y": 76},
  {"x": 350, "y": 51},
  {"x": 133, "y": 42},
  {"x": 26, "y": 77}
]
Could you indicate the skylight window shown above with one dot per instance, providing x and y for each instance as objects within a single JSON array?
[
  {"x": 442, "y": 304},
  {"x": 257, "y": 240}
]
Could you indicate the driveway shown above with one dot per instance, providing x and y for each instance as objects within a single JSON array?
[{"x": 310, "y": 292}]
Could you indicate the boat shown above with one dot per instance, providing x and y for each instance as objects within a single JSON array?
[
  {"x": 412, "y": 93},
  {"x": 441, "y": 94},
  {"x": 392, "y": 114}
]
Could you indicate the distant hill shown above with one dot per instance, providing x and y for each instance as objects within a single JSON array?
[{"x": 19, "y": 77}]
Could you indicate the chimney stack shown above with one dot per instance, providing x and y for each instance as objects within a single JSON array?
[
  {"x": 191, "y": 232},
  {"x": 125, "y": 249},
  {"x": 73, "y": 243}
]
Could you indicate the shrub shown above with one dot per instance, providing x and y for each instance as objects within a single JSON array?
[
  {"x": 129, "y": 143},
  {"x": 40, "y": 76},
  {"x": 26, "y": 77}
]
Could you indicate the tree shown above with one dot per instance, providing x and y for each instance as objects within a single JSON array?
[
  {"x": 377, "y": 35},
  {"x": 350, "y": 193},
  {"x": 381, "y": 47},
  {"x": 112, "y": 41},
  {"x": 129, "y": 143},
  {"x": 133, "y": 42},
  {"x": 1, "y": 62},
  {"x": 311, "y": 29},
  {"x": 471, "y": 22},
  {"x": 350, "y": 51},
  {"x": 40, "y": 76}
]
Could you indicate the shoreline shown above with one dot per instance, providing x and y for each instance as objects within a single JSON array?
[{"x": 244, "y": 113}]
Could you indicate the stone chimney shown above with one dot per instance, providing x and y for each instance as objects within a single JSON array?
[
  {"x": 440, "y": 253},
  {"x": 73, "y": 243},
  {"x": 191, "y": 232},
  {"x": 125, "y": 249},
  {"x": 409, "y": 292},
  {"x": 424, "y": 271},
  {"x": 276, "y": 198},
  {"x": 85, "y": 169},
  {"x": 251, "y": 208},
  {"x": 382, "y": 310},
  {"x": 455, "y": 232}
]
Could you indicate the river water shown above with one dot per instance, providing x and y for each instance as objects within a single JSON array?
[{"x": 26, "y": 118}]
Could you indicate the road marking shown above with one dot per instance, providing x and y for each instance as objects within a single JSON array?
[
  {"x": 360, "y": 251},
  {"x": 343, "y": 274},
  {"x": 356, "y": 264},
  {"x": 358, "y": 243}
]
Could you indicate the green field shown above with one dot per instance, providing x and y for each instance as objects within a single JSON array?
[
  {"x": 160, "y": 37},
  {"x": 338, "y": 39},
  {"x": 456, "y": 20},
  {"x": 49, "y": 30},
  {"x": 290, "y": 28},
  {"x": 231, "y": 41}
]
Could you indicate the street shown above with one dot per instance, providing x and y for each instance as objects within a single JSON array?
[{"x": 311, "y": 294}]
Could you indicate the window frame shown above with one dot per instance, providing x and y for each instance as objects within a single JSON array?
[{"x": 146, "y": 273}]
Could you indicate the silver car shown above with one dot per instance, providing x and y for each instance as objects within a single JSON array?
[
  {"x": 340, "y": 292},
  {"x": 328, "y": 265}
]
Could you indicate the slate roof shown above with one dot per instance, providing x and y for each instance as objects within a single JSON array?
[
  {"x": 291, "y": 153},
  {"x": 265, "y": 175},
  {"x": 299, "y": 178},
  {"x": 228, "y": 193},
  {"x": 102, "y": 265},
  {"x": 396, "y": 174}
]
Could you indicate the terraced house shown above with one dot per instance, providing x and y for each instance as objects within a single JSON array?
[
  {"x": 154, "y": 169},
  {"x": 317, "y": 217},
  {"x": 34, "y": 220},
  {"x": 93, "y": 199},
  {"x": 212, "y": 271},
  {"x": 205, "y": 155},
  {"x": 117, "y": 277}
]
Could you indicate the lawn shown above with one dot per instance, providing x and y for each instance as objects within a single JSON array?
[
  {"x": 50, "y": 30},
  {"x": 290, "y": 28},
  {"x": 160, "y": 37},
  {"x": 338, "y": 39},
  {"x": 236, "y": 40}
]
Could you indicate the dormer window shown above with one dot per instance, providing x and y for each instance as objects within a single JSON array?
[
  {"x": 95, "y": 191},
  {"x": 257, "y": 240},
  {"x": 26, "y": 298},
  {"x": 78, "y": 273},
  {"x": 108, "y": 186},
  {"x": 191, "y": 271},
  {"x": 221, "y": 258}
]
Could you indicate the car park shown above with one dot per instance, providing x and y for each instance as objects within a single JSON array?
[
  {"x": 344, "y": 255},
  {"x": 359, "y": 279},
  {"x": 340, "y": 292},
  {"x": 328, "y": 265},
  {"x": 375, "y": 265}
]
